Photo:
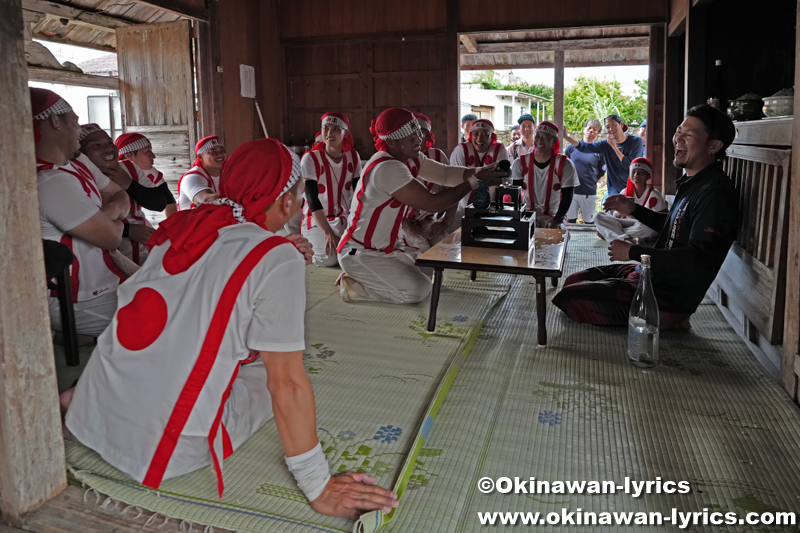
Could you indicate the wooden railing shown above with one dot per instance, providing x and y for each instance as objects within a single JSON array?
[{"x": 753, "y": 276}]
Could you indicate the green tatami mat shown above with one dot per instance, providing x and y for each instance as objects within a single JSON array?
[
  {"x": 374, "y": 369},
  {"x": 577, "y": 411}
]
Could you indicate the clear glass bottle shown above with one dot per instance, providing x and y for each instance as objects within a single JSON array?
[{"x": 643, "y": 321}]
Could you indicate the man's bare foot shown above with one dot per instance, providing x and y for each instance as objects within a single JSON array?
[
  {"x": 64, "y": 399},
  {"x": 338, "y": 281}
]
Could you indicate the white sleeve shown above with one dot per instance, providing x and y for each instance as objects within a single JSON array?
[
  {"x": 393, "y": 176},
  {"x": 357, "y": 169},
  {"x": 278, "y": 323},
  {"x": 503, "y": 155},
  {"x": 435, "y": 172},
  {"x": 193, "y": 184},
  {"x": 307, "y": 168},
  {"x": 457, "y": 158},
  {"x": 63, "y": 202},
  {"x": 100, "y": 179},
  {"x": 516, "y": 169},
  {"x": 569, "y": 178}
]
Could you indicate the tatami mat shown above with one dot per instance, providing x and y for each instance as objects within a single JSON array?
[{"x": 573, "y": 411}]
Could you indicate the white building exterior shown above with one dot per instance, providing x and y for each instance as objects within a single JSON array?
[{"x": 503, "y": 108}]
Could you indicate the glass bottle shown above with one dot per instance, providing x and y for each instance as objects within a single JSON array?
[{"x": 643, "y": 321}]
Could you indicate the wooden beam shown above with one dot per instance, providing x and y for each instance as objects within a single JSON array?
[
  {"x": 558, "y": 93},
  {"x": 89, "y": 18},
  {"x": 184, "y": 9},
  {"x": 695, "y": 77},
  {"x": 469, "y": 43},
  {"x": 68, "y": 77},
  {"x": 791, "y": 323},
  {"x": 32, "y": 467},
  {"x": 452, "y": 75},
  {"x": 565, "y": 45},
  {"x": 64, "y": 40},
  {"x": 673, "y": 107},
  {"x": 654, "y": 145},
  {"x": 678, "y": 12}
]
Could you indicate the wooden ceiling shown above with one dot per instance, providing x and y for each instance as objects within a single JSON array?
[
  {"x": 628, "y": 45},
  {"x": 92, "y": 23}
]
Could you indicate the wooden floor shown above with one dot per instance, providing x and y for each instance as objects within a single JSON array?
[{"x": 68, "y": 513}]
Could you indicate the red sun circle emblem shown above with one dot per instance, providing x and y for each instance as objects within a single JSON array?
[
  {"x": 556, "y": 186},
  {"x": 349, "y": 167},
  {"x": 321, "y": 188},
  {"x": 142, "y": 321},
  {"x": 652, "y": 203},
  {"x": 348, "y": 185}
]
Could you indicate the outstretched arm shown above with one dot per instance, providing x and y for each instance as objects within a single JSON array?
[{"x": 295, "y": 417}]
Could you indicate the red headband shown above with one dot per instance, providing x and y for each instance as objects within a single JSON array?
[{"x": 256, "y": 174}]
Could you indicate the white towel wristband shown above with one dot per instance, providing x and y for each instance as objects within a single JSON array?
[
  {"x": 311, "y": 471},
  {"x": 473, "y": 181}
]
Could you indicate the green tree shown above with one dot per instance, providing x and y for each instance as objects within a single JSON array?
[{"x": 592, "y": 98}]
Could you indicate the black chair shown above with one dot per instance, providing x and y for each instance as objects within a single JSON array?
[{"x": 57, "y": 260}]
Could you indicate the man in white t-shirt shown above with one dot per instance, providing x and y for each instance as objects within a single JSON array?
[
  {"x": 80, "y": 208},
  {"x": 137, "y": 149},
  {"x": 330, "y": 169},
  {"x": 376, "y": 263},
  {"x": 98, "y": 147},
  {"x": 423, "y": 229},
  {"x": 524, "y": 144},
  {"x": 548, "y": 178},
  {"x": 201, "y": 184},
  {"x": 176, "y": 384}
]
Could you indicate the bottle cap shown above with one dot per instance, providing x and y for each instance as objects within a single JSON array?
[{"x": 645, "y": 258}]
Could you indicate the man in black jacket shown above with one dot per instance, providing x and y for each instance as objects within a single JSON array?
[{"x": 694, "y": 237}]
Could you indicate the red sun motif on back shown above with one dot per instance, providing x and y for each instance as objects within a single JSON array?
[{"x": 141, "y": 322}]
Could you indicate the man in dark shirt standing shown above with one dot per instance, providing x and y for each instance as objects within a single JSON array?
[
  {"x": 590, "y": 168},
  {"x": 694, "y": 237}
]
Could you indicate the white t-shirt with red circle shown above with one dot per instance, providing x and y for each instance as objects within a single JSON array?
[{"x": 163, "y": 368}]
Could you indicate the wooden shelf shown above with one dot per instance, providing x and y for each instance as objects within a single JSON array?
[{"x": 765, "y": 132}]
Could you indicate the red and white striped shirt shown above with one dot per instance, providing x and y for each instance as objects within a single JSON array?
[
  {"x": 375, "y": 215},
  {"x": 334, "y": 182},
  {"x": 541, "y": 187},
  {"x": 413, "y": 165},
  {"x": 164, "y": 367},
  {"x": 68, "y": 196},
  {"x": 191, "y": 183}
]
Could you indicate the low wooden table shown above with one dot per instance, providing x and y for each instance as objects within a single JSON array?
[{"x": 544, "y": 259}]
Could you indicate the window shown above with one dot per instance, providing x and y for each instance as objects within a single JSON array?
[
  {"x": 508, "y": 111},
  {"x": 522, "y": 110},
  {"x": 105, "y": 112}
]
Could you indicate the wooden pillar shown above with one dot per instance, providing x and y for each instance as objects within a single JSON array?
[
  {"x": 32, "y": 468},
  {"x": 558, "y": 94},
  {"x": 655, "y": 103},
  {"x": 206, "y": 73},
  {"x": 791, "y": 327},
  {"x": 673, "y": 107},
  {"x": 695, "y": 73},
  {"x": 273, "y": 70},
  {"x": 453, "y": 75}
]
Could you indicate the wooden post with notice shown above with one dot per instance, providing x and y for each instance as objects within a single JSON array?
[{"x": 32, "y": 466}]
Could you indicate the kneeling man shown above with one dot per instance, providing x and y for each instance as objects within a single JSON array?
[
  {"x": 175, "y": 383},
  {"x": 376, "y": 264}
]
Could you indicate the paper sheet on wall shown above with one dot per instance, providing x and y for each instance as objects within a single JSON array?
[{"x": 247, "y": 77}]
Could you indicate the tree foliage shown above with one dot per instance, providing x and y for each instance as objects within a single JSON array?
[
  {"x": 587, "y": 98},
  {"x": 592, "y": 98}
]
